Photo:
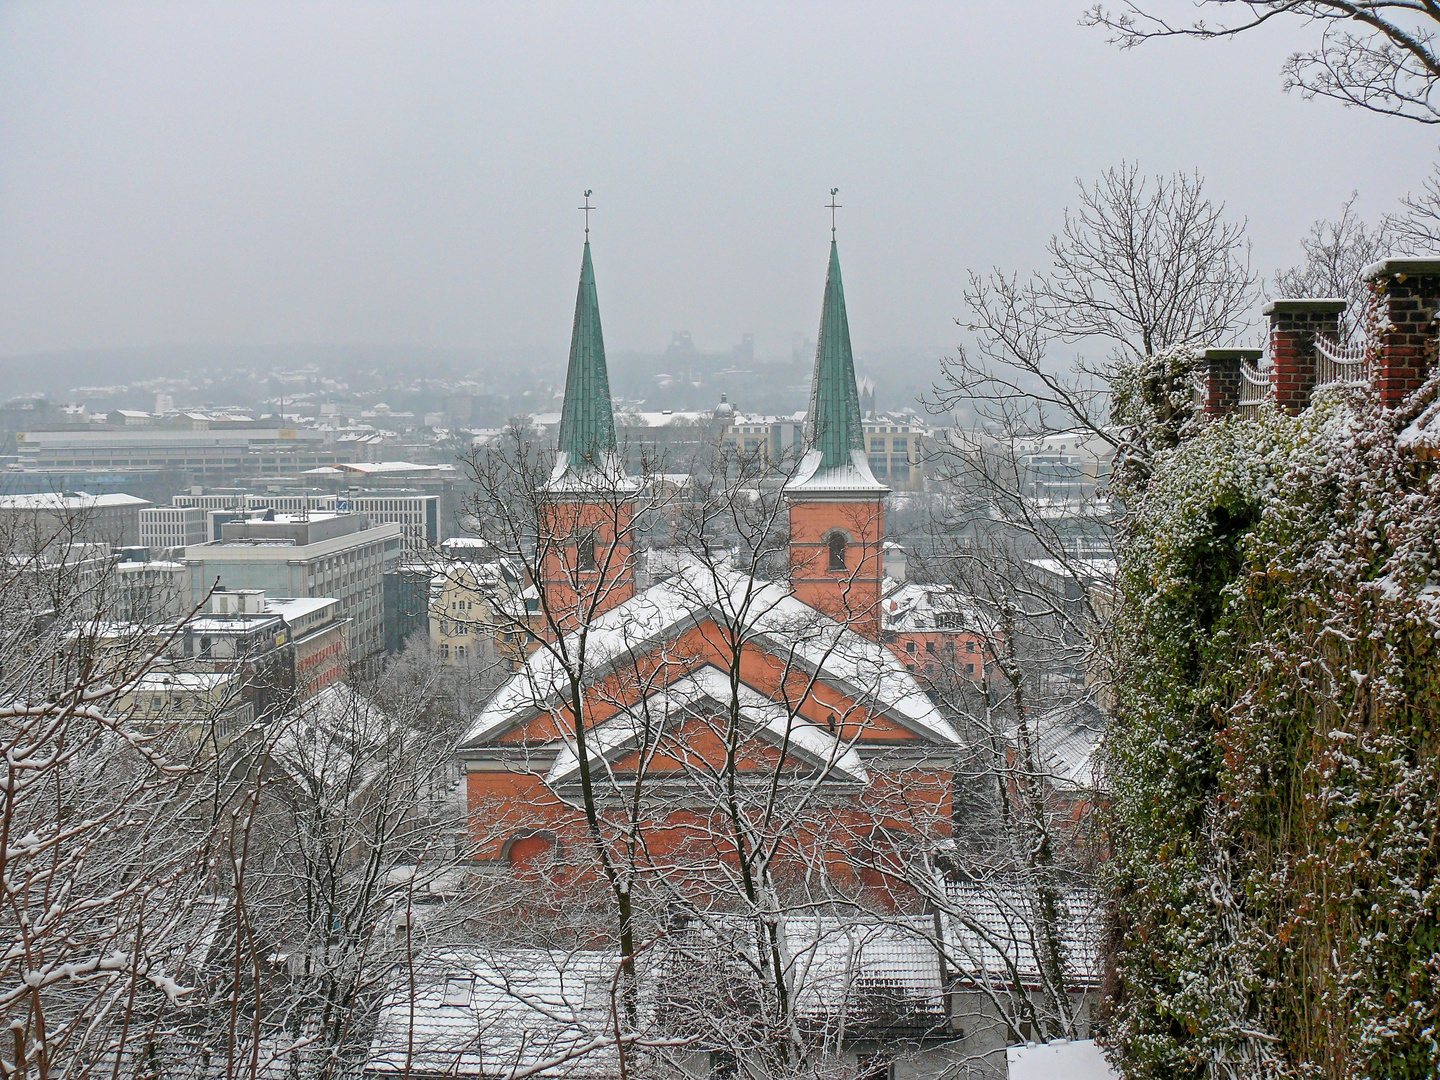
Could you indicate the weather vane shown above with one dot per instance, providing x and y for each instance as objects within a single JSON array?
[
  {"x": 587, "y": 208},
  {"x": 833, "y": 205}
]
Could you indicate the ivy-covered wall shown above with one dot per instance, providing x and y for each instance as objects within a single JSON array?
[{"x": 1274, "y": 826}]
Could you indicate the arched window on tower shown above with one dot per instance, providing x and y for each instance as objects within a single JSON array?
[
  {"x": 837, "y": 551},
  {"x": 585, "y": 554}
]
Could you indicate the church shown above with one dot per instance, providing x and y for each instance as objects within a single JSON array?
[{"x": 716, "y": 716}]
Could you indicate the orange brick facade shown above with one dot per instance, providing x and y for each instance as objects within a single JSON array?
[
  {"x": 518, "y": 818},
  {"x": 849, "y": 594},
  {"x": 588, "y": 562}
]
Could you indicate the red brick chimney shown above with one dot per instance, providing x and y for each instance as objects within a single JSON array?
[
  {"x": 1220, "y": 380},
  {"x": 1293, "y": 326},
  {"x": 1405, "y": 294}
]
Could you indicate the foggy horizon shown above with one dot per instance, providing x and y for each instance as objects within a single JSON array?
[{"x": 377, "y": 176}]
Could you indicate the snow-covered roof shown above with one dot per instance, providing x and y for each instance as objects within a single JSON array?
[
  {"x": 189, "y": 681},
  {"x": 72, "y": 501},
  {"x": 625, "y": 731},
  {"x": 319, "y": 741},
  {"x": 664, "y": 418},
  {"x": 991, "y": 934},
  {"x": 371, "y": 468},
  {"x": 548, "y": 1012},
  {"x": 1068, "y": 741},
  {"x": 919, "y": 607},
  {"x": 230, "y": 624},
  {"x": 475, "y": 1013},
  {"x": 603, "y": 477},
  {"x": 1088, "y": 568},
  {"x": 838, "y": 968},
  {"x": 295, "y": 607},
  {"x": 853, "y": 479},
  {"x": 866, "y": 671}
]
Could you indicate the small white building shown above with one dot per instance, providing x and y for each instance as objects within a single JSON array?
[{"x": 171, "y": 526}]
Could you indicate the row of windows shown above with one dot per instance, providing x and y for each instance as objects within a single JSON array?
[
  {"x": 933, "y": 671},
  {"x": 897, "y": 446},
  {"x": 882, "y": 468},
  {"x": 948, "y": 648}
]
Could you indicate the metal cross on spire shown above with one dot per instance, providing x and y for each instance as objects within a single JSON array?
[
  {"x": 587, "y": 208},
  {"x": 833, "y": 206}
]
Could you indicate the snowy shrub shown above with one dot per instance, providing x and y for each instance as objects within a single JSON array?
[
  {"x": 1152, "y": 400},
  {"x": 1275, "y": 823}
]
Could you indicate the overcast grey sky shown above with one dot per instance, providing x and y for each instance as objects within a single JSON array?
[{"x": 407, "y": 173}]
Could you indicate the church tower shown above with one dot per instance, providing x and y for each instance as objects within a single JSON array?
[
  {"x": 587, "y": 556},
  {"x": 837, "y": 507}
]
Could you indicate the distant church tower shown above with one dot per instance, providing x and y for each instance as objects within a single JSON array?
[
  {"x": 837, "y": 507},
  {"x": 587, "y": 557}
]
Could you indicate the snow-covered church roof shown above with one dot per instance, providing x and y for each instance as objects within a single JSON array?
[{"x": 764, "y": 612}]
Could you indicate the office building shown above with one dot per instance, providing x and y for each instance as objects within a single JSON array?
[
  {"x": 171, "y": 527},
  {"x": 318, "y": 633},
  {"x": 893, "y": 446},
  {"x": 306, "y": 556},
  {"x": 207, "y": 455},
  {"x": 416, "y": 512},
  {"x": 236, "y": 635},
  {"x": 44, "y": 520},
  {"x": 149, "y": 591}
]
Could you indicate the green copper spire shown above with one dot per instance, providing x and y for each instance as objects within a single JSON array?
[
  {"x": 835, "y": 425},
  {"x": 587, "y": 421}
]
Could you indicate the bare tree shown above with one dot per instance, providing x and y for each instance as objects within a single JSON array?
[
  {"x": 338, "y": 857},
  {"x": 1135, "y": 270},
  {"x": 1373, "y": 54},
  {"x": 1416, "y": 229},
  {"x": 575, "y": 549},
  {"x": 1335, "y": 253},
  {"x": 109, "y": 824},
  {"x": 1143, "y": 263},
  {"x": 1023, "y": 532}
]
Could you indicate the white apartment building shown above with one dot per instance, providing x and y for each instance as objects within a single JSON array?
[{"x": 172, "y": 526}]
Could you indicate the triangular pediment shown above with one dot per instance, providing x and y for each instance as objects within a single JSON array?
[
  {"x": 803, "y": 639},
  {"x": 662, "y": 722}
]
